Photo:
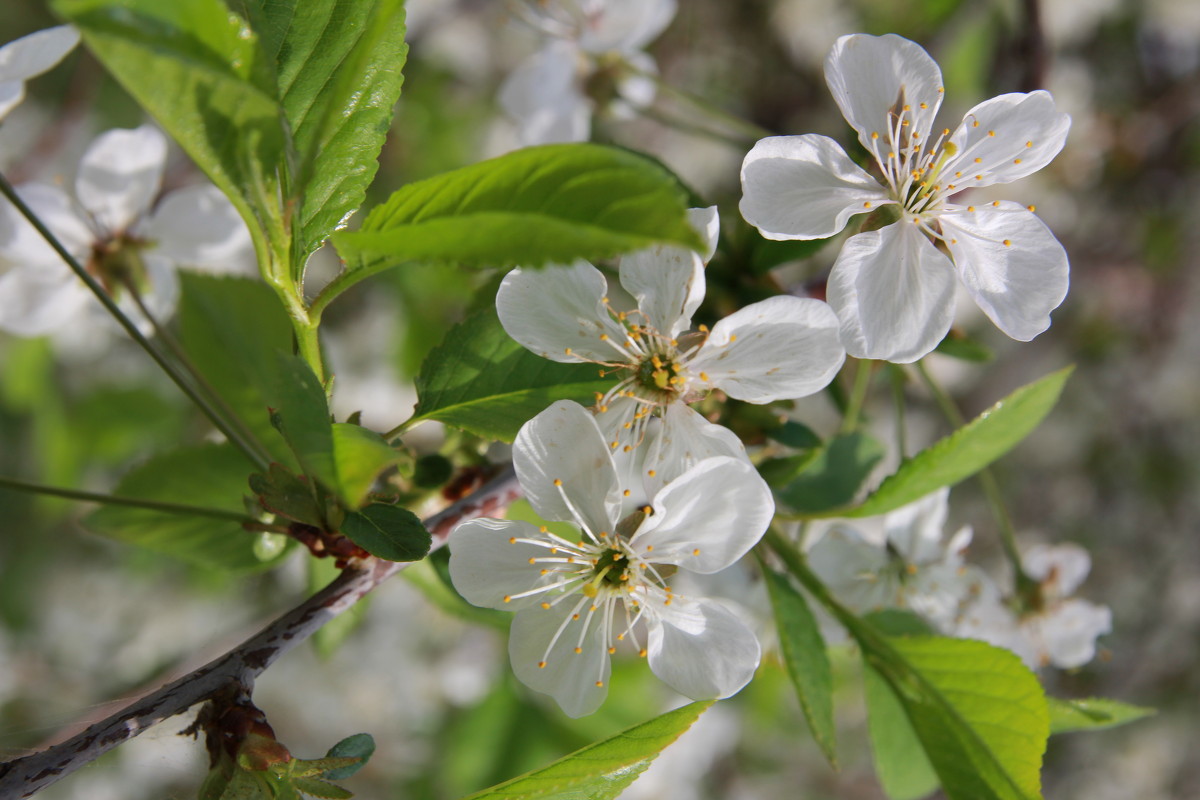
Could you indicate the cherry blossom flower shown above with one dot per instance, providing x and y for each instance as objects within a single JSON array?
[
  {"x": 576, "y": 601},
  {"x": 780, "y": 348},
  {"x": 1049, "y": 628},
  {"x": 112, "y": 227},
  {"x": 892, "y": 285},
  {"x": 907, "y": 564},
  {"x": 595, "y": 47},
  {"x": 28, "y": 57}
]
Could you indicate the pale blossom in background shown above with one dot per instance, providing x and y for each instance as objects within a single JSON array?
[
  {"x": 114, "y": 228},
  {"x": 892, "y": 286},
  {"x": 28, "y": 57},
  {"x": 576, "y": 602},
  {"x": 780, "y": 348},
  {"x": 903, "y": 562},
  {"x": 588, "y": 42}
]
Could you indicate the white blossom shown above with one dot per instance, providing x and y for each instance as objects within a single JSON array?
[
  {"x": 28, "y": 57},
  {"x": 893, "y": 287},
  {"x": 907, "y": 564},
  {"x": 577, "y": 601},
  {"x": 1048, "y": 628},
  {"x": 780, "y": 348},
  {"x": 589, "y": 41},
  {"x": 113, "y": 227}
]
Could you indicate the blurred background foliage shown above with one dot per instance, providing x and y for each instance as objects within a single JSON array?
[{"x": 84, "y": 621}]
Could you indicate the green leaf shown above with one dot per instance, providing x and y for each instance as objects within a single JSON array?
[
  {"x": 339, "y": 68},
  {"x": 806, "y": 658},
  {"x": 360, "y": 456},
  {"x": 232, "y": 330},
  {"x": 553, "y": 203},
  {"x": 968, "y": 450},
  {"x": 795, "y": 434},
  {"x": 481, "y": 380},
  {"x": 209, "y": 476},
  {"x": 322, "y": 789},
  {"x": 199, "y": 71},
  {"x": 766, "y": 254},
  {"x": 901, "y": 765},
  {"x": 300, "y": 412},
  {"x": 1092, "y": 714},
  {"x": 979, "y": 713},
  {"x": 600, "y": 771},
  {"x": 360, "y": 746},
  {"x": 389, "y": 532},
  {"x": 282, "y": 493},
  {"x": 834, "y": 475},
  {"x": 964, "y": 348}
]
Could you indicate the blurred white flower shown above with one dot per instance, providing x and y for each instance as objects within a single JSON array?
[
  {"x": 575, "y": 601},
  {"x": 595, "y": 49},
  {"x": 1052, "y": 628},
  {"x": 782, "y": 347},
  {"x": 114, "y": 229},
  {"x": 893, "y": 287},
  {"x": 28, "y": 57},
  {"x": 911, "y": 566}
]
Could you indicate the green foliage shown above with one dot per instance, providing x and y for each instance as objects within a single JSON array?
[
  {"x": 978, "y": 712},
  {"x": 199, "y": 71},
  {"x": 300, "y": 413},
  {"x": 360, "y": 746},
  {"x": 552, "y": 203},
  {"x": 964, "y": 348},
  {"x": 600, "y": 771},
  {"x": 360, "y": 456},
  {"x": 208, "y": 476},
  {"x": 968, "y": 450},
  {"x": 233, "y": 330},
  {"x": 338, "y": 67},
  {"x": 833, "y": 476},
  {"x": 389, "y": 532},
  {"x": 901, "y": 765},
  {"x": 480, "y": 380},
  {"x": 282, "y": 493},
  {"x": 807, "y": 661},
  {"x": 1092, "y": 713}
]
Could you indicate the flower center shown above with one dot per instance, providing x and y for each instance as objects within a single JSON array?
[
  {"x": 117, "y": 264},
  {"x": 659, "y": 377}
]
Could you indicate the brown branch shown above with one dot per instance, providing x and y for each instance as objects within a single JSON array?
[{"x": 27, "y": 775}]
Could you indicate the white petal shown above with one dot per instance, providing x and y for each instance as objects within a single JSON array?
[
  {"x": 1012, "y": 136},
  {"x": 485, "y": 566},
  {"x": 699, "y": 648},
  {"x": 779, "y": 348},
  {"x": 543, "y": 96},
  {"x": 1016, "y": 284},
  {"x": 915, "y": 530},
  {"x": 1059, "y": 568},
  {"x": 120, "y": 174},
  {"x": 707, "y": 518},
  {"x": 668, "y": 283},
  {"x": 636, "y": 87},
  {"x": 11, "y": 95},
  {"x": 869, "y": 75},
  {"x": 198, "y": 227},
  {"x": 563, "y": 443},
  {"x": 893, "y": 292},
  {"x": 559, "y": 308},
  {"x": 20, "y": 242},
  {"x": 32, "y": 55},
  {"x": 1068, "y": 633},
  {"x": 852, "y": 567},
  {"x": 569, "y": 677},
  {"x": 40, "y": 298},
  {"x": 681, "y": 440},
  {"x": 161, "y": 293},
  {"x": 625, "y": 26},
  {"x": 804, "y": 187}
]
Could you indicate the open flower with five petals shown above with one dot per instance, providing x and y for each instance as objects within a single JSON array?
[
  {"x": 779, "y": 348},
  {"x": 578, "y": 600},
  {"x": 114, "y": 228},
  {"x": 893, "y": 286}
]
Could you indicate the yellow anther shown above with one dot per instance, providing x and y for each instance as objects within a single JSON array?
[
  {"x": 611, "y": 650},
  {"x": 613, "y": 444},
  {"x": 867, "y": 204},
  {"x": 620, "y": 637},
  {"x": 649, "y": 548},
  {"x": 603, "y": 409},
  {"x": 954, "y": 241},
  {"x": 978, "y": 160},
  {"x": 704, "y": 377},
  {"x": 970, "y": 208},
  {"x": 544, "y": 529},
  {"x": 703, "y": 329},
  {"x": 696, "y": 552},
  {"x": 627, "y": 448},
  {"x": 908, "y": 108},
  {"x": 626, "y": 493},
  {"x": 604, "y": 337},
  {"x": 508, "y": 598},
  {"x": 567, "y": 350},
  {"x": 1029, "y": 144},
  {"x": 578, "y": 650},
  {"x": 642, "y": 653},
  {"x": 1008, "y": 242},
  {"x": 978, "y": 177},
  {"x": 599, "y": 684},
  {"x": 940, "y": 90},
  {"x": 975, "y": 124},
  {"x": 991, "y": 133},
  {"x": 904, "y": 124},
  {"x": 732, "y": 338},
  {"x": 667, "y": 602},
  {"x": 545, "y": 605},
  {"x": 544, "y": 571},
  {"x": 1032, "y": 208},
  {"x": 558, "y": 482},
  {"x": 924, "y": 106},
  {"x": 532, "y": 560},
  {"x": 1016, "y": 161},
  {"x": 946, "y": 132},
  {"x": 541, "y": 665},
  {"x": 891, "y": 155},
  {"x": 574, "y": 617},
  {"x": 651, "y": 473},
  {"x": 512, "y": 540},
  {"x": 995, "y": 204},
  {"x": 874, "y": 134},
  {"x": 958, "y": 174}
]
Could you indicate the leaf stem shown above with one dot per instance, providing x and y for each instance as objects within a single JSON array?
[
  {"x": 134, "y": 502},
  {"x": 749, "y": 130},
  {"x": 858, "y": 395},
  {"x": 173, "y": 372},
  {"x": 987, "y": 479},
  {"x": 341, "y": 282},
  {"x": 897, "y": 375}
]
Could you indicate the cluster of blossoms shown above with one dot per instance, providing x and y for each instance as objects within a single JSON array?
[
  {"x": 907, "y": 563},
  {"x": 593, "y": 57},
  {"x": 116, "y": 230},
  {"x": 658, "y": 491}
]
